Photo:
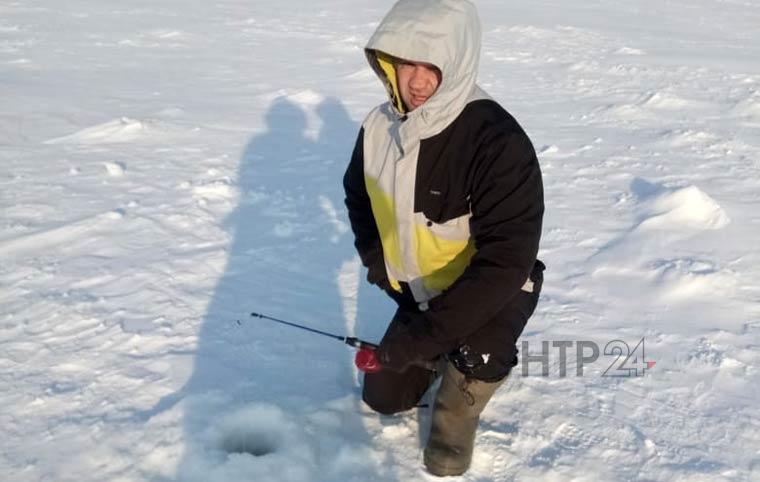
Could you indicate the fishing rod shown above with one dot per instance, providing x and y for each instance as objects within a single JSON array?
[{"x": 365, "y": 359}]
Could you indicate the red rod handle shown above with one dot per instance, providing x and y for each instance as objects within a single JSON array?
[{"x": 366, "y": 361}]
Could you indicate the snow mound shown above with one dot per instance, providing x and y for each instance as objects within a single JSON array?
[
  {"x": 307, "y": 98},
  {"x": 629, "y": 51},
  {"x": 117, "y": 130},
  {"x": 661, "y": 100},
  {"x": 688, "y": 207},
  {"x": 548, "y": 150},
  {"x": 115, "y": 169},
  {"x": 652, "y": 104},
  {"x": 687, "y": 137}
]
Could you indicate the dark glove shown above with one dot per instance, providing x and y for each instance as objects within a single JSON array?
[{"x": 376, "y": 274}]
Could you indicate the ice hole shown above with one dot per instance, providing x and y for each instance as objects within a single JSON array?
[{"x": 251, "y": 441}]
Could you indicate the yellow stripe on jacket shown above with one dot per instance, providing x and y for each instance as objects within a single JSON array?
[{"x": 440, "y": 252}]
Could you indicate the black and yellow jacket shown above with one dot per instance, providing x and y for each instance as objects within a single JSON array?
[{"x": 445, "y": 201}]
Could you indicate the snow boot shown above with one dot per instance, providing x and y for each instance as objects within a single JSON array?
[{"x": 456, "y": 414}]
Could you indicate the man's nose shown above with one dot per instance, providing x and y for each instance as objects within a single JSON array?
[{"x": 418, "y": 77}]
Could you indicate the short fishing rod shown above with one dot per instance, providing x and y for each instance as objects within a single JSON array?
[
  {"x": 365, "y": 359},
  {"x": 348, "y": 340}
]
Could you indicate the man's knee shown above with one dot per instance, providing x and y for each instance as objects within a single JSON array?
[
  {"x": 388, "y": 392},
  {"x": 384, "y": 401}
]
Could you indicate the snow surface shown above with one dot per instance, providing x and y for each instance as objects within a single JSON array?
[{"x": 167, "y": 167}]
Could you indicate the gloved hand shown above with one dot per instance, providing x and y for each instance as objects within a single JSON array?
[
  {"x": 377, "y": 275},
  {"x": 399, "y": 348}
]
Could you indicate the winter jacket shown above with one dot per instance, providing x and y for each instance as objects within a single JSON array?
[{"x": 445, "y": 201}]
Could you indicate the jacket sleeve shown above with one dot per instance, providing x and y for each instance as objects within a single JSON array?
[
  {"x": 507, "y": 210},
  {"x": 366, "y": 234}
]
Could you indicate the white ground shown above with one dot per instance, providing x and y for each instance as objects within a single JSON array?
[{"x": 167, "y": 167}]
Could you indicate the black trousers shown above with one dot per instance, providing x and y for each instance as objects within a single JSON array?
[{"x": 390, "y": 392}]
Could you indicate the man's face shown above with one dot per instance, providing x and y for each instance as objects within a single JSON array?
[{"x": 417, "y": 82}]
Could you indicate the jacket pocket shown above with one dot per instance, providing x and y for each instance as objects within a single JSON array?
[
  {"x": 440, "y": 206},
  {"x": 432, "y": 206},
  {"x": 456, "y": 229}
]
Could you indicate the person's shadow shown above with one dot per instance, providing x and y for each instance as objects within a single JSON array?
[{"x": 264, "y": 398}]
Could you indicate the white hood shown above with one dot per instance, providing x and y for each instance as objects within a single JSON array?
[{"x": 445, "y": 33}]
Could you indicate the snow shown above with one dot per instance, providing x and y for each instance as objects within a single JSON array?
[{"x": 168, "y": 167}]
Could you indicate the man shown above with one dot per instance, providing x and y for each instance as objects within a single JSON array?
[{"x": 445, "y": 199}]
